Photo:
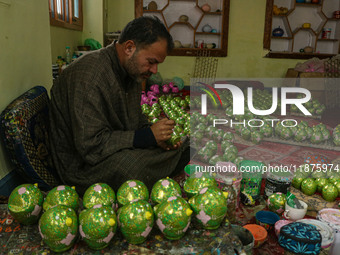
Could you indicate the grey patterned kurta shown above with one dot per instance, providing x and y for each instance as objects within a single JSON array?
[{"x": 94, "y": 111}]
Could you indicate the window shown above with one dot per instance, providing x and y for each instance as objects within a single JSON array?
[{"x": 66, "y": 13}]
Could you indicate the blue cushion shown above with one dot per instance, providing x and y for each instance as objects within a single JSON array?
[{"x": 24, "y": 130}]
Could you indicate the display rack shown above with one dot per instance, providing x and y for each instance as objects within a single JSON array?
[
  {"x": 190, "y": 34},
  {"x": 310, "y": 24}
]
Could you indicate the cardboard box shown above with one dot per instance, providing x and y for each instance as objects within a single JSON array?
[{"x": 314, "y": 82}]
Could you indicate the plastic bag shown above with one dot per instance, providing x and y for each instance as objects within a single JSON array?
[
  {"x": 313, "y": 65},
  {"x": 95, "y": 45}
]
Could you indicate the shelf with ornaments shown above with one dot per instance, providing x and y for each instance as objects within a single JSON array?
[
  {"x": 199, "y": 16},
  {"x": 303, "y": 23}
]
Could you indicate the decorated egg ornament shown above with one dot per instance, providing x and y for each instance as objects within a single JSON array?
[
  {"x": 173, "y": 217},
  {"x": 62, "y": 195},
  {"x": 99, "y": 193},
  {"x": 276, "y": 202},
  {"x": 163, "y": 189},
  {"x": 58, "y": 227},
  {"x": 209, "y": 206},
  {"x": 97, "y": 226},
  {"x": 132, "y": 191},
  {"x": 25, "y": 203},
  {"x": 136, "y": 220}
]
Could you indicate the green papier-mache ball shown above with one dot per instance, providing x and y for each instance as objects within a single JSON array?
[
  {"x": 99, "y": 193},
  {"x": 25, "y": 203}
]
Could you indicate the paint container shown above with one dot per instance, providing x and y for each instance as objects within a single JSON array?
[
  {"x": 246, "y": 238},
  {"x": 332, "y": 218},
  {"x": 251, "y": 177},
  {"x": 277, "y": 182},
  {"x": 228, "y": 170}
]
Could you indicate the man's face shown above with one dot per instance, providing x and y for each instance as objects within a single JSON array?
[{"x": 144, "y": 62}]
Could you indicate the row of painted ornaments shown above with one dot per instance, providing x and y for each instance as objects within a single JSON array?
[
  {"x": 210, "y": 215},
  {"x": 59, "y": 227},
  {"x": 26, "y": 201}
]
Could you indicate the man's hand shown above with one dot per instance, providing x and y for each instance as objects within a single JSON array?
[{"x": 162, "y": 131}]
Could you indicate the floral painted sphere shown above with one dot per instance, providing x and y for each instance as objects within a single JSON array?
[
  {"x": 312, "y": 159},
  {"x": 276, "y": 202},
  {"x": 58, "y": 227},
  {"x": 132, "y": 191},
  {"x": 256, "y": 137},
  {"x": 209, "y": 206},
  {"x": 197, "y": 181},
  {"x": 173, "y": 217},
  {"x": 99, "y": 193},
  {"x": 136, "y": 220},
  {"x": 97, "y": 226},
  {"x": 163, "y": 189},
  {"x": 25, "y": 203},
  {"x": 62, "y": 195}
]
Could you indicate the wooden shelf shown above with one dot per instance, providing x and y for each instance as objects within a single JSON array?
[
  {"x": 326, "y": 39},
  {"x": 205, "y": 33},
  {"x": 194, "y": 51},
  {"x": 181, "y": 23},
  {"x": 212, "y": 13},
  {"x": 190, "y": 32},
  {"x": 298, "y": 37},
  {"x": 295, "y": 55},
  {"x": 305, "y": 29},
  {"x": 282, "y": 37},
  {"x": 308, "y": 4},
  {"x": 160, "y": 11}
]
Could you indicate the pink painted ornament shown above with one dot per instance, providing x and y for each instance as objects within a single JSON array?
[
  {"x": 152, "y": 99},
  {"x": 166, "y": 89},
  {"x": 155, "y": 88},
  {"x": 144, "y": 98}
]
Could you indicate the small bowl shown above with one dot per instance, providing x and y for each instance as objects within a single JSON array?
[
  {"x": 266, "y": 219},
  {"x": 245, "y": 236},
  {"x": 259, "y": 233}
]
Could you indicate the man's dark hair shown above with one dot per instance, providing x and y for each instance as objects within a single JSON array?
[{"x": 144, "y": 31}]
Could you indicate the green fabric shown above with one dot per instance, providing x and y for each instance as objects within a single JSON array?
[{"x": 95, "y": 45}]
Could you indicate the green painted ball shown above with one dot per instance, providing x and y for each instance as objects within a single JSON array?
[
  {"x": 25, "y": 203},
  {"x": 97, "y": 226},
  {"x": 136, "y": 220},
  {"x": 321, "y": 182},
  {"x": 276, "y": 202},
  {"x": 329, "y": 192},
  {"x": 131, "y": 191},
  {"x": 296, "y": 182},
  {"x": 58, "y": 227},
  {"x": 163, "y": 189},
  {"x": 99, "y": 193},
  {"x": 173, "y": 217},
  {"x": 62, "y": 195},
  {"x": 308, "y": 186}
]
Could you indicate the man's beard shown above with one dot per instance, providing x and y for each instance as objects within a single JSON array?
[{"x": 133, "y": 71}]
